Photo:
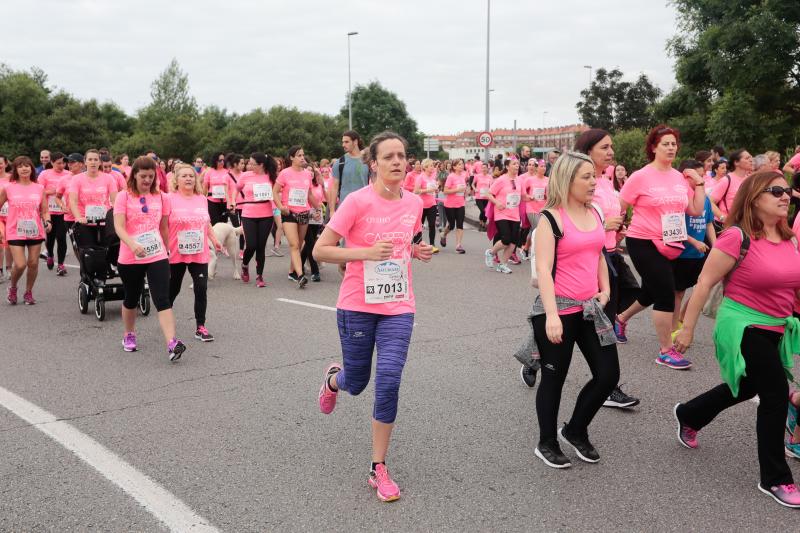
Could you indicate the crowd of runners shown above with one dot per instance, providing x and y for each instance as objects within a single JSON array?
[{"x": 721, "y": 225}]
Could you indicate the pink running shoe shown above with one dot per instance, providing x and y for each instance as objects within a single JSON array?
[
  {"x": 129, "y": 342},
  {"x": 245, "y": 274},
  {"x": 673, "y": 359},
  {"x": 379, "y": 479},
  {"x": 786, "y": 495},
  {"x": 12, "y": 295},
  {"x": 514, "y": 259},
  {"x": 260, "y": 282},
  {"x": 327, "y": 397},
  {"x": 686, "y": 435},
  {"x": 28, "y": 298}
]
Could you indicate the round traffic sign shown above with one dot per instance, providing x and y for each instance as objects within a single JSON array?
[{"x": 485, "y": 139}]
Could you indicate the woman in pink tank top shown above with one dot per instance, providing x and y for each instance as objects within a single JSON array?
[{"x": 573, "y": 289}]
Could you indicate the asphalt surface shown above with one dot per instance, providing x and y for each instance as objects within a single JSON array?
[{"x": 235, "y": 432}]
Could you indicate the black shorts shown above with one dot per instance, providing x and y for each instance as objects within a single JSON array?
[
  {"x": 686, "y": 271},
  {"x": 507, "y": 231},
  {"x": 24, "y": 242},
  {"x": 296, "y": 218}
]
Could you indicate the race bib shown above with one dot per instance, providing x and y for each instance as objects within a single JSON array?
[
  {"x": 512, "y": 200},
  {"x": 190, "y": 242},
  {"x": 218, "y": 191},
  {"x": 27, "y": 228},
  {"x": 151, "y": 243},
  {"x": 432, "y": 186},
  {"x": 298, "y": 197},
  {"x": 538, "y": 194},
  {"x": 315, "y": 217},
  {"x": 95, "y": 212},
  {"x": 673, "y": 227},
  {"x": 4, "y": 210},
  {"x": 53, "y": 206},
  {"x": 385, "y": 281},
  {"x": 262, "y": 192},
  {"x": 483, "y": 191}
]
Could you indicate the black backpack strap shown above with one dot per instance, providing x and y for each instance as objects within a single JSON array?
[
  {"x": 341, "y": 176},
  {"x": 725, "y": 199},
  {"x": 557, "y": 235},
  {"x": 745, "y": 246}
]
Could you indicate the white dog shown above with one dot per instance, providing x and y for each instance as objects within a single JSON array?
[{"x": 228, "y": 236}]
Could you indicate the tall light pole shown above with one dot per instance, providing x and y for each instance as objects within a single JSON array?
[
  {"x": 349, "y": 90},
  {"x": 488, "y": 25},
  {"x": 544, "y": 124},
  {"x": 590, "y": 74}
]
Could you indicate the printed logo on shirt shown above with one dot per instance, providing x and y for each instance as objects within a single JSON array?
[
  {"x": 378, "y": 220},
  {"x": 408, "y": 220},
  {"x": 388, "y": 268}
]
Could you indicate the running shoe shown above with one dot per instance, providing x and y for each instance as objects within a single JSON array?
[
  {"x": 489, "y": 258},
  {"x": 619, "y": 399},
  {"x": 260, "y": 282},
  {"x": 792, "y": 449},
  {"x": 202, "y": 334},
  {"x": 276, "y": 251},
  {"x": 175, "y": 349},
  {"x": 673, "y": 359},
  {"x": 619, "y": 331},
  {"x": 379, "y": 479},
  {"x": 786, "y": 495},
  {"x": 528, "y": 373},
  {"x": 61, "y": 270},
  {"x": 315, "y": 278},
  {"x": 460, "y": 249},
  {"x": 503, "y": 269},
  {"x": 583, "y": 448},
  {"x": 435, "y": 250},
  {"x": 686, "y": 435},
  {"x": 514, "y": 259},
  {"x": 302, "y": 281},
  {"x": 443, "y": 240},
  {"x": 129, "y": 342},
  {"x": 245, "y": 274},
  {"x": 550, "y": 453},
  {"x": 28, "y": 298},
  {"x": 50, "y": 263},
  {"x": 522, "y": 254},
  {"x": 327, "y": 397},
  {"x": 12, "y": 295}
]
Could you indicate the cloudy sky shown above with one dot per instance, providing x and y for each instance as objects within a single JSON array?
[{"x": 243, "y": 54}]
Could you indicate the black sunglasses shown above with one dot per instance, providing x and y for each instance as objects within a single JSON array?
[{"x": 778, "y": 191}]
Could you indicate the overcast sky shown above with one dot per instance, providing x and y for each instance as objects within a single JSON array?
[{"x": 243, "y": 54}]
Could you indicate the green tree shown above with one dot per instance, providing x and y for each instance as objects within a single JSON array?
[
  {"x": 629, "y": 148},
  {"x": 612, "y": 104},
  {"x": 376, "y": 109},
  {"x": 24, "y": 107}
]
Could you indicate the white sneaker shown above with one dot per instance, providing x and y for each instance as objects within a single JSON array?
[
  {"x": 503, "y": 269},
  {"x": 489, "y": 258}
]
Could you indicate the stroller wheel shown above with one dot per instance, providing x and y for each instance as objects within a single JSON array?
[
  {"x": 100, "y": 309},
  {"x": 144, "y": 303},
  {"x": 83, "y": 299}
]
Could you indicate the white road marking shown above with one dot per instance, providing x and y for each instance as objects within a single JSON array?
[
  {"x": 71, "y": 266},
  {"x": 315, "y": 306},
  {"x": 159, "y": 502}
]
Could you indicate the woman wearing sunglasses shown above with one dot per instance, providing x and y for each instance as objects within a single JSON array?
[
  {"x": 755, "y": 333},
  {"x": 220, "y": 189},
  {"x": 141, "y": 215},
  {"x": 505, "y": 193}
]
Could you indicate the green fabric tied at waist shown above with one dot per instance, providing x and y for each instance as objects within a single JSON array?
[{"x": 732, "y": 319}]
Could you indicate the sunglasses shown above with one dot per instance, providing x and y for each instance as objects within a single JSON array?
[
  {"x": 143, "y": 201},
  {"x": 778, "y": 191}
]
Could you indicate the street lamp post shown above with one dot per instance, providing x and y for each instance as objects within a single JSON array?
[
  {"x": 590, "y": 74},
  {"x": 488, "y": 25},
  {"x": 349, "y": 90}
]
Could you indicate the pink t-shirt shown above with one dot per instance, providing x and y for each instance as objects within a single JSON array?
[
  {"x": 188, "y": 228},
  {"x": 578, "y": 254},
  {"x": 4, "y": 207},
  {"x": 294, "y": 189},
  {"x": 94, "y": 193},
  {"x": 427, "y": 181},
  {"x": 606, "y": 198},
  {"x": 509, "y": 193},
  {"x": 219, "y": 185},
  {"x": 24, "y": 222},
  {"x": 454, "y": 181},
  {"x": 143, "y": 227},
  {"x": 122, "y": 183},
  {"x": 328, "y": 183},
  {"x": 364, "y": 218},
  {"x": 768, "y": 276},
  {"x": 482, "y": 183},
  {"x": 719, "y": 190},
  {"x": 253, "y": 185},
  {"x": 411, "y": 179},
  {"x": 50, "y": 180},
  {"x": 794, "y": 162},
  {"x": 536, "y": 188},
  {"x": 654, "y": 193},
  {"x": 62, "y": 190}
]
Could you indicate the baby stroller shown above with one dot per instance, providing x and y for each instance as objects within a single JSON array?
[{"x": 98, "y": 264}]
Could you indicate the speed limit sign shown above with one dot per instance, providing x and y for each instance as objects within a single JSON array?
[{"x": 485, "y": 139}]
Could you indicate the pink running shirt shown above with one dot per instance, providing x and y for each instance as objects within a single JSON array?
[
  {"x": 63, "y": 190},
  {"x": 654, "y": 193},
  {"x": 188, "y": 228},
  {"x": 454, "y": 181},
  {"x": 482, "y": 183},
  {"x": 143, "y": 227},
  {"x": 50, "y": 180},
  {"x": 411, "y": 179},
  {"x": 219, "y": 185},
  {"x": 253, "y": 184},
  {"x": 427, "y": 181},
  {"x": 294, "y": 189},
  {"x": 24, "y": 221},
  {"x": 578, "y": 256},
  {"x": 606, "y": 198},
  {"x": 95, "y": 193},
  {"x": 508, "y": 193},
  {"x": 536, "y": 188},
  {"x": 729, "y": 191}
]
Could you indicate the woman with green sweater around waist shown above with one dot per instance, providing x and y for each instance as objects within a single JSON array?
[{"x": 755, "y": 334}]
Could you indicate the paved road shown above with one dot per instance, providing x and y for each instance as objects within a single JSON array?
[{"x": 234, "y": 432}]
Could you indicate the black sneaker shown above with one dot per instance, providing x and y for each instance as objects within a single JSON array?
[
  {"x": 293, "y": 276},
  {"x": 302, "y": 281},
  {"x": 582, "y": 447},
  {"x": 528, "y": 373},
  {"x": 315, "y": 278},
  {"x": 619, "y": 399},
  {"x": 202, "y": 334},
  {"x": 550, "y": 453}
]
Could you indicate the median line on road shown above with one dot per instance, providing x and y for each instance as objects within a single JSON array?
[
  {"x": 315, "y": 306},
  {"x": 157, "y": 500}
]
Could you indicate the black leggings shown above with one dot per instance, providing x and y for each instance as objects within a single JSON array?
[
  {"x": 658, "y": 283},
  {"x": 455, "y": 217},
  {"x": 256, "y": 232},
  {"x": 429, "y": 214},
  {"x": 764, "y": 375},
  {"x": 603, "y": 363},
  {"x": 507, "y": 231},
  {"x": 482, "y": 208},
  {"x": 199, "y": 273},
  {"x": 523, "y": 236},
  {"x": 58, "y": 234},
  {"x": 312, "y": 234},
  {"x": 157, "y": 278},
  {"x": 217, "y": 210},
  {"x": 236, "y": 221}
]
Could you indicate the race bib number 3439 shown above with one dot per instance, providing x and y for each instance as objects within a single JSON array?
[{"x": 385, "y": 281}]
